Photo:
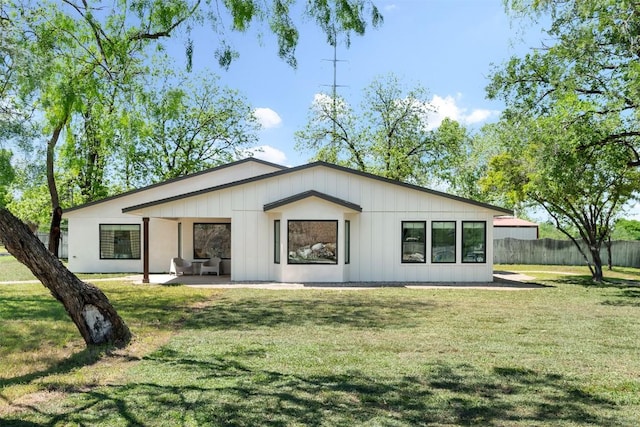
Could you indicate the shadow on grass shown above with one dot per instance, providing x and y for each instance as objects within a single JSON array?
[
  {"x": 224, "y": 391},
  {"x": 353, "y": 309},
  {"x": 85, "y": 357},
  {"x": 627, "y": 291},
  {"x": 32, "y": 307}
]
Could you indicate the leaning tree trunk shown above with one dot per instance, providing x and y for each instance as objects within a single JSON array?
[{"x": 89, "y": 308}]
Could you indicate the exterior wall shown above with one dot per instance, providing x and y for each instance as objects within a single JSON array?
[
  {"x": 375, "y": 232},
  {"x": 522, "y": 233},
  {"x": 84, "y": 246},
  {"x": 376, "y": 250},
  {"x": 84, "y": 239}
]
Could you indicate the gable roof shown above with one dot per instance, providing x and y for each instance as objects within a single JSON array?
[
  {"x": 173, "y": 180},
  {"x": 312, "y": 193},
  {"x": 309, "y": 166}
]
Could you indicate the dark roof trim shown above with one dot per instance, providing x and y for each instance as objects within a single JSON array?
[
  {"x": 171, "y": 181},
  {"x": 312, "y": 193},
  {"x": 309, "y": 166}
]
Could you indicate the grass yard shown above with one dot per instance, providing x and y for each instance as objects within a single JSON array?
[
  {"x": 565, "y": 354},
  {"x": 11, "y": 270}
]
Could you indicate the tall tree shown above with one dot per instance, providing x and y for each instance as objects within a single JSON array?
[
  {"x": 68, "y": 56},
  {"x": 390, "y": 135},
  {"x": 189, "y": 125},
  {"x": 592, "y": 56},
  {"x": 581, "y": 185}
]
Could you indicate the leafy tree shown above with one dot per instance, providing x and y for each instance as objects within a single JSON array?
[
  {"x": 68, "y": 57},
  {"x": 472, "y": 164},
  {"x": 188, "y": 125},
  {"x": 389, "y": 135},
  {"x": 582, "y": 186},
  {"x": 626, "y": 229},
  {"x": 591, "y": 57},
  {"x": 548, "y": 230}
]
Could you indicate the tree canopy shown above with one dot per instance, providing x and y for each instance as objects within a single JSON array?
[
  {"x": 582, "y": 186},
  {"x": 590, "y": 62},
  {"x": 388, "y": 135}
]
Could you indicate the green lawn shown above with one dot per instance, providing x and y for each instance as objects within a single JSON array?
[
  {"x": 563, "y": 354},
  {"x": 11, "y": 270}
]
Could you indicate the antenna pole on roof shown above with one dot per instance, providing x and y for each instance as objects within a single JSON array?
[{"x": 334, "y": 86}]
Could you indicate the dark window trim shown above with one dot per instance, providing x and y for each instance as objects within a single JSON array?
[
  {"x": 424, "y": 242},
  {"x": 462, "y": 257},
  {"x": 455, "y": 242},
  {"x": 347, "y": 241},
  {"x": 114, "y": 258},
  {"x": 335, "y": 221},
  {"x": 276, "y": 241},
  {"x": 193, "y": 236}
]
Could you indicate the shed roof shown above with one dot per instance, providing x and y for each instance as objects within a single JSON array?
[{"x": 510, "y": 221}]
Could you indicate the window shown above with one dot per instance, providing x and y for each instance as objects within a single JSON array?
[
  {"x": 474, "y": 236},
  {"x": 414, "y": 243},
  {"x": 312, "y": 242},
  {"x": 211, "y": 240},
  {"x": 276, "y": 241},
  {"x": 120, "y": 241},
  {"x": 347, "y": 242},
  {"x": 443, "y": 241}
]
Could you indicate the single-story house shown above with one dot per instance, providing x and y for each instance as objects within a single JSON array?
[
  {"x": 514, "y": 228},
  {"x": 312, "y": 223}
]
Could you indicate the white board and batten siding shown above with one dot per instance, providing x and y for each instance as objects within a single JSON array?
[
  {"x": 84, "y": 221},
  {"x": 376, "y": 230}
]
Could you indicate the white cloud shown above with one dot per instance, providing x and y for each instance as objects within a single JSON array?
[
  {"x": 390, "y": 7},
  {"x": 268, "y": 153},
  {"x": 322, "y": 101},
  {"x": 267, "y": 118},
  {"x": 447, "y": 107}
]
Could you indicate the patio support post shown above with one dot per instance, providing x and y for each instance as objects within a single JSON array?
[{"x": 145, "y": 249}]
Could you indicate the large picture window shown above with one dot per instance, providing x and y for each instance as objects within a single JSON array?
[
  {"x": 312, "y": 242},
  {"x": 120, "y": 241},
  {"x": 414, "y": 241},
  {"x": 211, "y": 240},
  {"x": 474, "y": 245},
  {"x": 443, "y": 241}
]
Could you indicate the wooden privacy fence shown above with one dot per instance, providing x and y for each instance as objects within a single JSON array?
[{"x": 561, "y": 252}]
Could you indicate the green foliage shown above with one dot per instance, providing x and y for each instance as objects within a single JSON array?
[
  {"x": 626, "y": 229},
  {"x": 186, "y": 125},
  {"x": 547, "y": 230},
  {"x": 389, "y": 135},
  {"x": 81, "y": 65},
  {"x": 33, "y": 206},
  {"x": 7, "y": 175},
  {"x": 582, "y": 186},
  {"x": 579, "y": 98},
  {"x": 590, "y": 61},
  {"x": 478, "y": 150}
]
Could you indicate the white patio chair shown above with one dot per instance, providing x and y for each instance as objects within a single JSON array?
[
  {"x": 179, "y": 265},
  {"x": 211, "y": 266}
]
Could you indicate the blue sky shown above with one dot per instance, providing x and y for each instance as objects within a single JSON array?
[{"x": 445, "y": 46}]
